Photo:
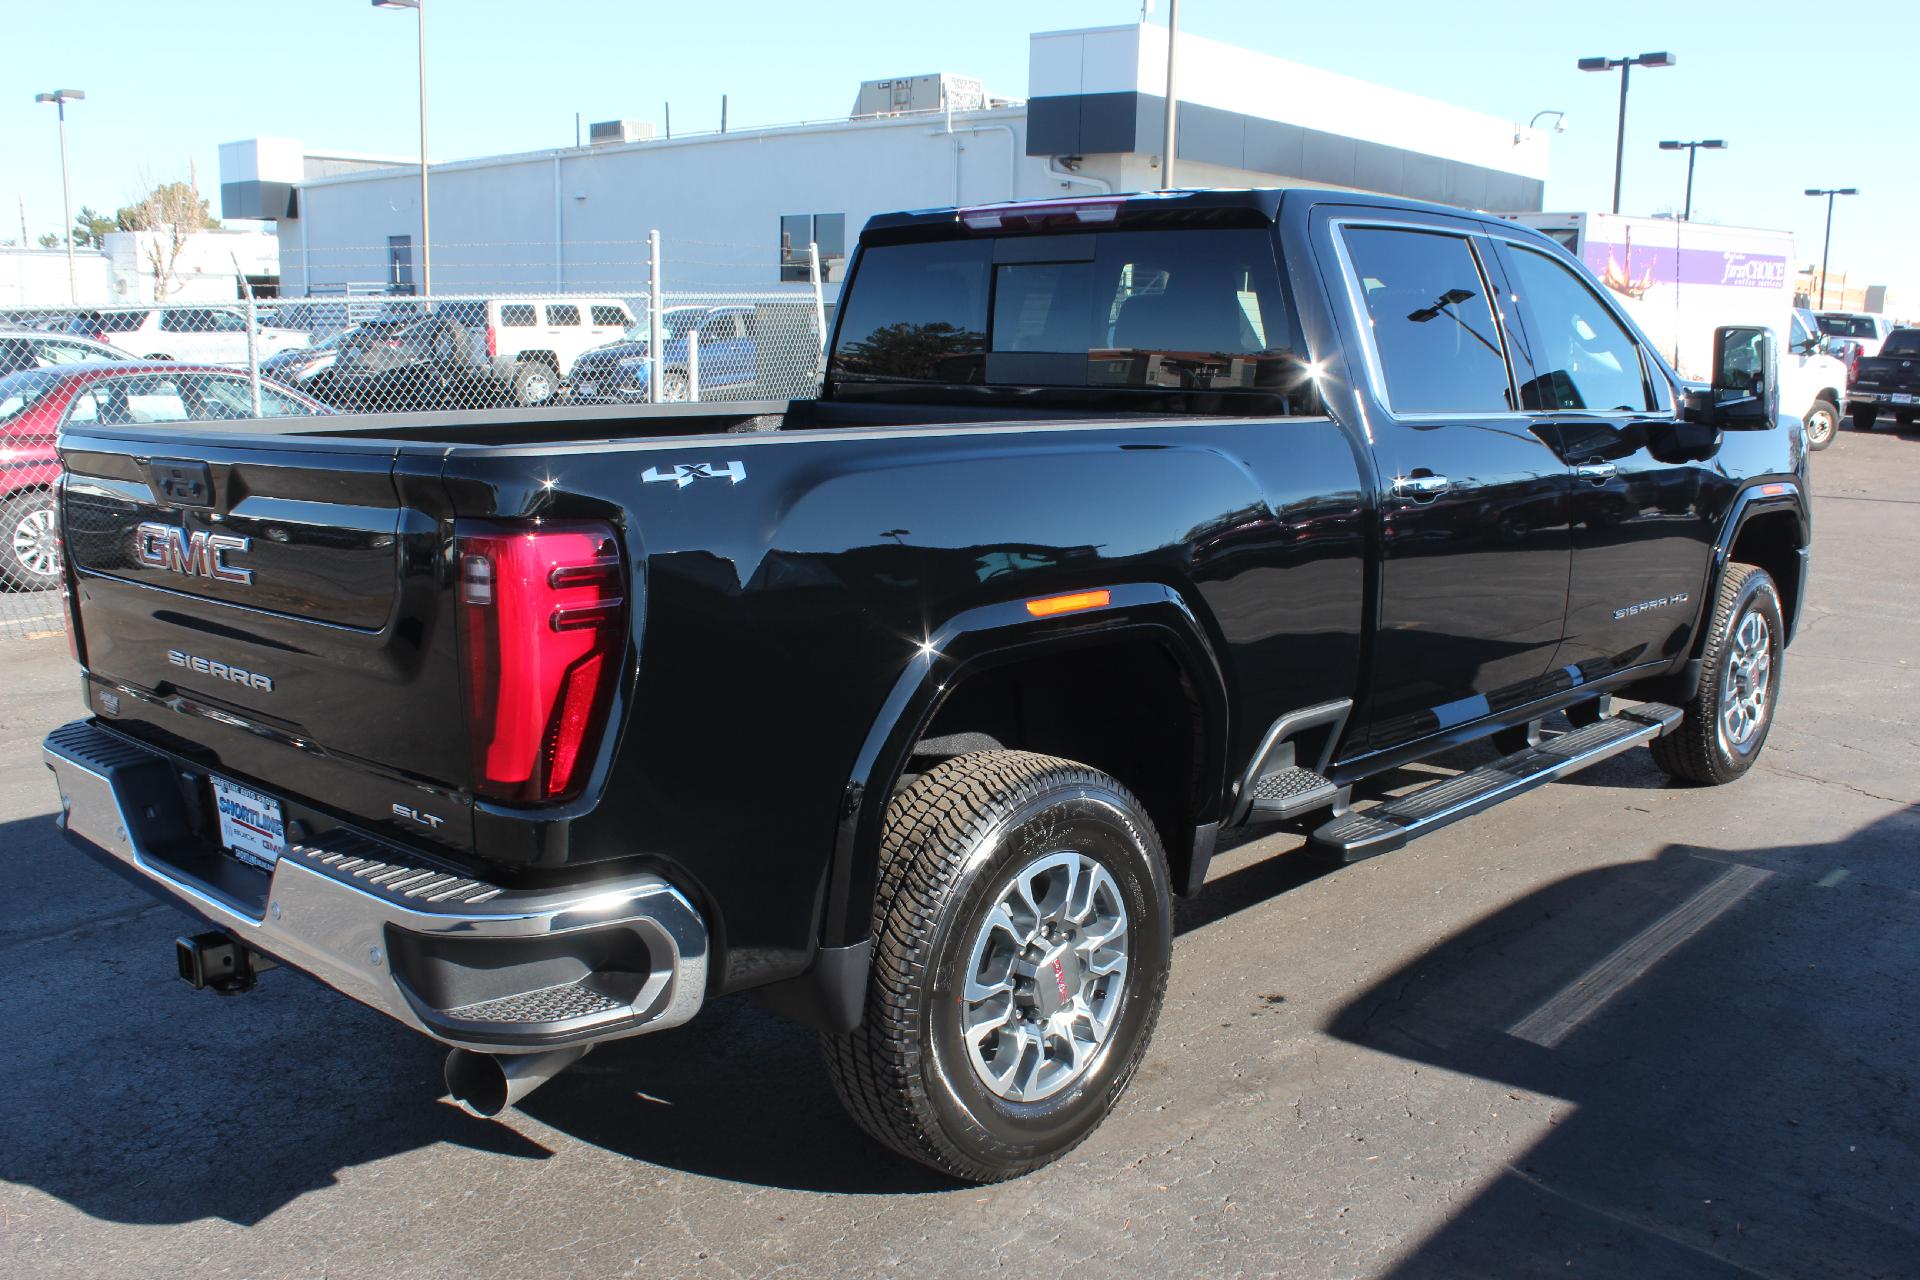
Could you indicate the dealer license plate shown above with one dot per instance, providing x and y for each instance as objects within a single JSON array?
[
  {"x": 1897, "y": 399},
  {"x": 250, "y": 824}
]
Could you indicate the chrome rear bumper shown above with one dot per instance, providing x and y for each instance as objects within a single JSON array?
[{"x": 469, "y": 963}]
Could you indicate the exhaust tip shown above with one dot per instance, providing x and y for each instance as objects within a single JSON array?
[
  {"x": 477, "y": 1083},
  {"x": 486, "y": 1084}
]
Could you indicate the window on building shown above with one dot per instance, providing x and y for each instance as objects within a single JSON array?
[
  {"x": 827, "y": 231},
  {"x": 399, "y": 264},
  {"x": 1432, "y": 328},
  {"x": 563, "y": 313}
]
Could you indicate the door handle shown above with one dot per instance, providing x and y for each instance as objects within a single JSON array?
[
  {"x": 1421, "y": 488},
  {"x": 1597, "y": 472}
]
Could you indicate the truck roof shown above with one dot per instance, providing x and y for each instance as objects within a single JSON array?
[{"x": 1253, "y": 204}]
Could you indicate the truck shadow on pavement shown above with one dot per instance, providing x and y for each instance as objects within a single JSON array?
[
  {"x": 1742, "y": 1067},
  {"x": 1734, "y": 1036},
  {"x": 135, "y": 1099}
]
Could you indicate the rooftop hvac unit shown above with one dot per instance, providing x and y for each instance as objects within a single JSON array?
[
  {"x": 936, "y": 92},
  {"x": 608, "y": 132}
]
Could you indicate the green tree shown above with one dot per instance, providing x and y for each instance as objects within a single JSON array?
[
  {"x": 49, "y": 240},
  {"x": 89, "y": 227}
]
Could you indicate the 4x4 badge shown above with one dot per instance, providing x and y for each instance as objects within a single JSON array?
[{"x": 687, "y": 472}]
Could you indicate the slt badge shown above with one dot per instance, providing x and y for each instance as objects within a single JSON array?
[{"x": 687, "y": 472}]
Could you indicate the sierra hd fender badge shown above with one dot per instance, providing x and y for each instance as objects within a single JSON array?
[
  {"x": 1628, "y": 611},
  {"x": 687, "y": 472},
  {"x": 197, "y": 554}
]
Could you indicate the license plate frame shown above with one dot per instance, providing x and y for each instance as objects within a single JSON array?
[{"x": 253, "y": 827}]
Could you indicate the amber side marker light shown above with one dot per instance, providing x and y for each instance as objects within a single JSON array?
[
  {"x": 1048, "y": 606},
  {"x": 1772, "y": 490}
]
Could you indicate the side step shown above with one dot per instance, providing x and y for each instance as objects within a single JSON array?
[
  {"x": 1382, "y": 828},
  {"x": 1288, "y": 792}
]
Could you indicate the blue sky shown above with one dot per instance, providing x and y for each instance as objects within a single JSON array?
[{"x": 1805, "y": 94}]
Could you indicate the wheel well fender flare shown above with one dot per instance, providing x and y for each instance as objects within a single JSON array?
[
  {"x": 1759, "y": 498},
  {"x": 977, "y": 640}
]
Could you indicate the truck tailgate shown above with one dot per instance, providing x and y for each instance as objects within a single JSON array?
[{"x": 277, "y": 610}]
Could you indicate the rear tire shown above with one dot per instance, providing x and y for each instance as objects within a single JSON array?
[
  {"x": 1822, "y": 423},
  {"x": 1022, "y": 939},
  {"x": 1727, "y": 720},
  {"x": 1863, "y": 418},
  {"x": 1903, "y": 420},
  {"x": 32, "y": 546}
]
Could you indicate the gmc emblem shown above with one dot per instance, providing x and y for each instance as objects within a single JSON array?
[{"x": 197, "y": 554}]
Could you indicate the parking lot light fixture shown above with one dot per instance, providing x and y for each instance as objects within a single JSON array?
[
  {"x": 1826, "y": 241},
  {"x": 419, "y": 8},
  {"x": 60, "y": 98},
  {"x": 1692, "y": 149},
  {"x": 1625, "y": 66}
]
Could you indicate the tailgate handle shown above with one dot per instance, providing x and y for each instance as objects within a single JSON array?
[{"x": 182, "y": 482}]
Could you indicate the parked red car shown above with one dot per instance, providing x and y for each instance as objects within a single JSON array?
[{"x": 36, "y": 403}]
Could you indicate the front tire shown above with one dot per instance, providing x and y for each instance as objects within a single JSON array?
[
  {"x": 1023, "y": 936},
  {"x": 32, "y": 550},
  {"x": 1822, "y": 423},
  {"x": 1727, "y": 720}
]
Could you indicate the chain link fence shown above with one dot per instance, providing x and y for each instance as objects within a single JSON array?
[{"x": 354, "y": 348}]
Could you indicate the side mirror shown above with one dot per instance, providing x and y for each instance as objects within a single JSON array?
[{"x": 1745, "y": 395}]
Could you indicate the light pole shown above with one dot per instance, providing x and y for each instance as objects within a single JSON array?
[
  {"x": 60, "y": 98},
  {"x": 1827, "y": 242},
  {"x": 419, "y": 8},
  {"x": 1691, "y": 148},
  {"x": 1173, "y": 100},
  {"x": 1625, "y": 66}
]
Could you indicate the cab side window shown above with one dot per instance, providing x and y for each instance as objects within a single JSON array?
[
  {"x": 1583, "y": 358},
  {"x": 1432, "y": 328}
]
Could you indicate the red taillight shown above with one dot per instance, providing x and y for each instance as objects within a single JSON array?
[
  {"x": 99, "y": 337},
  {"x": 493, "y": 343},
  {"x": 543, "y": 621}
]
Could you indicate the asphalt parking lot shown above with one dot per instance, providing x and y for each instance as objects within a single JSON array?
[{"x": 1613, "y": 1028}]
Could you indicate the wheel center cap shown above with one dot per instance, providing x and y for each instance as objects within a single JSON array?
[{"x": 1056, "y": 981}]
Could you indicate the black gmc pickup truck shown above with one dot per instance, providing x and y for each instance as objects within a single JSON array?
[
  {"x": 1119, "y": 522},
  {"x": 1888, "y": 382}
]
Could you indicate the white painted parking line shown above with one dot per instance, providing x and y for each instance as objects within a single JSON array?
[{"x": 1587, "y": 994}]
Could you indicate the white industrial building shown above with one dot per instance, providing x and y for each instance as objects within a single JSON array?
[
  {"x": 732, "y": 208},
  {"x": 133, "y": 267}
]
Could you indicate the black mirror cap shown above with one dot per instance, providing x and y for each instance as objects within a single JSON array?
[{"x": 1746, "y": 378}]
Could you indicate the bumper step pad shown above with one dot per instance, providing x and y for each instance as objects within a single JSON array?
[
  {"x": 1288, "y": 793},
  {"x": 1384, "y": 827}
]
